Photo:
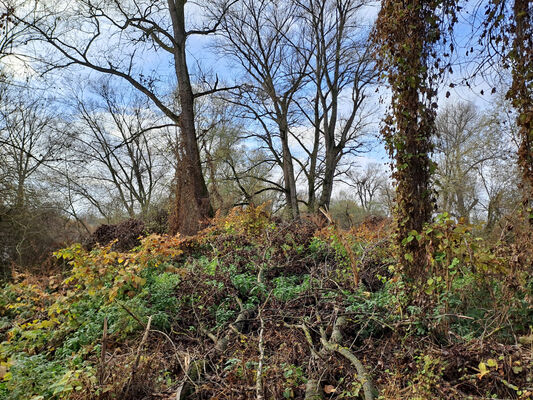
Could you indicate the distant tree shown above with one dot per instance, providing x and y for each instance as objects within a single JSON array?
[
  {"x": 114, "y": 156},
  {"x": 367, "y": 183},
  {"x": 499, "y": 195},
  {"x": 507, "y": 38},
  {"x": 341, "y": 69},
  {"x": 235, "y": 170},
  {"x": 267, "y": 40},
  {"x": 307, "y": 66},
  {"x": 469, "y": 149},
  {"x": 30, "y": 137},
  {"x": 461, "y": 146},
  {"x": 31, "y": 145}
]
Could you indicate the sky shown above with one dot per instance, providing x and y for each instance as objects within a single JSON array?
[{"x": 202, "y": 55}]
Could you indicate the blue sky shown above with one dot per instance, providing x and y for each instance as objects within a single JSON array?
[{"x": 202, "y": 53}]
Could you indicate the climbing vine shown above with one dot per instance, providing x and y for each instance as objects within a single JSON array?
[
  {"x": 521, "y": 94},
  {"x": 507, "y": 36},
  {"x": 407, "y": 36}
]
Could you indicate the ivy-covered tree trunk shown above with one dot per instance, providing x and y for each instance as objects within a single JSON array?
[
  {"x": 406, "y": 33},
  {"x": 521, "y": 95}
]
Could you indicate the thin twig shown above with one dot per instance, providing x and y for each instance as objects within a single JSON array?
[
  {"x": 259, "y": 374},
  {"x": 133, "y": 315},
  {"x": 103, "y": 353},
  {"x": 138, "y": 357}
]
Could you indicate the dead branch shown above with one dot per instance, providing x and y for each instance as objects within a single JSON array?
[
  {"x": 333, "y": 345},
  {"x": 103, "y": 354},
  {"x": 138, "y": 356},
  {"x": 313, "y": 391},
  {"x": 259, "y": 377}
]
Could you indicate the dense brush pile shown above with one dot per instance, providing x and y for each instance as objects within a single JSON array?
[{"x": 256, "y": 308}]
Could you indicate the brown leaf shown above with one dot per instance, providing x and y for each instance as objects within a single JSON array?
[{"x": 329, "y": 389}]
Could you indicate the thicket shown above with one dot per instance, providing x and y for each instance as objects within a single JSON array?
[{"x": 255, "y": 307}]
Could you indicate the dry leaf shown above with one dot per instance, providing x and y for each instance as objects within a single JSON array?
[{"x": 329, "y": 389}]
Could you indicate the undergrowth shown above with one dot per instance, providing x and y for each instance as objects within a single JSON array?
[{"x": 195, "y": 317}]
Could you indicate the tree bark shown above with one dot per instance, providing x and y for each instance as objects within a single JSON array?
[
  {"x": 288, "y": 174},
  {"x": 191, "y": 204},
  {"x": 521, "y": 96},
  {"x": 329, "y": 176},
  {"x": 406, "y": 35}
]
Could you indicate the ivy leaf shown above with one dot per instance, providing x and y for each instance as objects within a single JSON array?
[
  {"x": 491, "y": 362},
  {"x": 517, "y": 369}
]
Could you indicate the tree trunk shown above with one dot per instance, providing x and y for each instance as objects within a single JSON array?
[
  {"x": 521, "y": 96},
  {"x": 329, "y": 176},
  {"x": 311, "y": 180},
  {"x": 406, "y": 37},
  {"x": 288, "y": 173},
  {"x": 20, "y": 196},
  {"x": 191, "y": 203}
]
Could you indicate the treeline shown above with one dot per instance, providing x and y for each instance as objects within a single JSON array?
[{"x": 122, "y": 118}]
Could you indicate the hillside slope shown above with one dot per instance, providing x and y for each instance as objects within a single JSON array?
[{"x": 257, "y": 308}]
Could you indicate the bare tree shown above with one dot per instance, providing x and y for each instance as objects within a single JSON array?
[
  {"x": 367, "y": 184},
  {"x": 113, "y": 38},
  {"x": 30, "y": 138},
  {"x": 341, "y": 69},
  {"x": 507, "y": 41},
  {"x": 459, "y": 129},
  {"x": 114, "y": 152},
  {"x": 266, "y": 38},
  {"x": 30, "y": 143},
  {"x": 499, "y": 194},
  {"x": 234, "y": 170},
  {"x": 468, "y": 142},
  {"x": 10, "y": 31}
]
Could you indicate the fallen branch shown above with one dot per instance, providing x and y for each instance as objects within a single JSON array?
[
  {"x": 313, "y": 391},
  {"x": 139, "y": 351},
  {"x": 259, "y": 374},
  {"x": 333, "y": 345},
  {"x": 192, "y": 375},
  {"x": 308, "y": 337},
  {"x": 361, "y": 370},
  {"x": 222, "y": 344},
  {"x": 101, "y": 377}
]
